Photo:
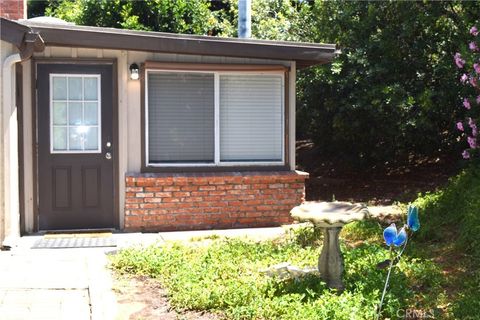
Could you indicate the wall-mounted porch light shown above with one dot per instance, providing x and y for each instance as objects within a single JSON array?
[{"x": 134, "y": 71}]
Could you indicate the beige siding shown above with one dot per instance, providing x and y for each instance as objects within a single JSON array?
[
  {"x": 27, "y": 143},
  {"x": 129, "y": 109}
]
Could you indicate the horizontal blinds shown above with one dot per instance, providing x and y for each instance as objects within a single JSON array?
[
  {"x": 180, "y": 117},
  {"x": 251, "y": 117}
]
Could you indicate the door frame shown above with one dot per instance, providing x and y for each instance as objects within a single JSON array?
[{"x": 115, "y": 125}]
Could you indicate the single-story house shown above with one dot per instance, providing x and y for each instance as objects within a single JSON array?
[{"x": 134, "y": 130}]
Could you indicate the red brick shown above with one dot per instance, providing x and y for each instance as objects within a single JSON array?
[
  {"x": 206, "y": 188},
  {"x": 217, "y": 183},
  {"x": 194, "y": 199},
  {"x": 146, "y": 182},
  {"x": 159, "y": 212},
  {"x": 153, "y": 189},
  {"x": 134, "y": 212},
  {"x": 189, "y": 188},
  {"x": 181, "y": 194},
  {"x": 199, "y": 193},
  {"x": 144, "y": 195},
  {"x": 133, "y": 200},
  {"x": 163, "y": 194},
  {"x": 236, "y": 180},
  {"x": 200, "y": 181},
  {"x": 276, "y": 186},
  {"x": 172, "y": 188},
  {"x": 237, "y": 191},
  {"x": 149, "y": 205},
  {"x": 130, "y": 181},
  {"x": 134, "y": 189},
  {"x": 225, "y": 187},
  {"x": 218, "y": 193},
  {"x": 164, "y": 182},
  {"x": 153, "y": 200}
]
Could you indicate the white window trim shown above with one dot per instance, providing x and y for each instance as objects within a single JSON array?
[
  {"x": 99, "y": 111},
  {"x": 217, "y": 162}
]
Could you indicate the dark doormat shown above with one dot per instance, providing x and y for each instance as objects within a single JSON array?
[{"x": 73, "y": 242}]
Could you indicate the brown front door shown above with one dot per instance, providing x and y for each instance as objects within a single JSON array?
[{"x": 75, "y": 146}]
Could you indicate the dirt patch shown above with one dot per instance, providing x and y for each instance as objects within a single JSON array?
[
  {"x": 144, "y": 298},
  {"x": 383, "y": 184}
]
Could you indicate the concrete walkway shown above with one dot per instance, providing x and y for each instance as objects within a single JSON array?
[
  {"x": 55, "y": 284},
  {"x": 74, "y": 283}
]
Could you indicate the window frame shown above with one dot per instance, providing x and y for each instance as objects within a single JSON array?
[
  {"x": 217, "y": 72},
  {"x": 67, "y": 125}
]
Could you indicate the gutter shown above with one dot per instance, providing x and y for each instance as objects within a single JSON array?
[{"x": 10, "y": 226}]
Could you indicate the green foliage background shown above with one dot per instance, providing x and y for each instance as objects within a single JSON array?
[{"x": 391, "y": 93}]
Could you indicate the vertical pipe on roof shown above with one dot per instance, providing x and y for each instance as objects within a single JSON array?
[{"x": 244, "y": 18}]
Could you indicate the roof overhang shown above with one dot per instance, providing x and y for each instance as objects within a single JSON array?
[
  {"x": 24, "y": 38},
  {"x": 305, "y": 54}
]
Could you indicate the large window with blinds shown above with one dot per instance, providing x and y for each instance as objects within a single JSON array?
[{"x": 214, "y": 118}]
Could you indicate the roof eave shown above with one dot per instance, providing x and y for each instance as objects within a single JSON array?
[{"x": 305, "y": 54}]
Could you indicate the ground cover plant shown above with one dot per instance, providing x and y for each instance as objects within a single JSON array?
[
  {"x": 223, "y": 275},
  {"x": 451, "y": 233}
]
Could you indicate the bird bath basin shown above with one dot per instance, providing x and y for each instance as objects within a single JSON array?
[{"x": 330, "y": 217}]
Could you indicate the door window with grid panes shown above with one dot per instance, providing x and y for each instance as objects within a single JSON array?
[{"x": 75, "y": 111}]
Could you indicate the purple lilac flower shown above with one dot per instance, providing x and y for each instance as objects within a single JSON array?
[
  {"x": 474, "y": 31},
  {"x": 476, "y": 66},
  {"x": 464, "y": 78},
  {"x": 458, "y": 60},
  {"x": 478, "y": 99},
  {"x": 473, "y": 81},
  {"x": 466, "y": 103},
  {"x": 473, "y": 46},
  {"x": 460, "y": 126},
  {"x": 465, "y": 154},
  {"x": 473, "y": 126},
  {"x": 472, "y": 142}
]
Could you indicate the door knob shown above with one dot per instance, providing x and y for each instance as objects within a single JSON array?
[{"x": 108, "y": 155}]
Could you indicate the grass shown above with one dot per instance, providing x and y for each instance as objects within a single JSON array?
[
  {"x": 451, "y": 229},
  {"x": 224, "y": 276}
]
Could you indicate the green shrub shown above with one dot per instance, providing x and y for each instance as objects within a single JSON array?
[{"x": 363, "y": 230}]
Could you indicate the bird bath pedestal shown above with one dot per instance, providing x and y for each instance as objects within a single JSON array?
[{"x": 330, "y": 217}]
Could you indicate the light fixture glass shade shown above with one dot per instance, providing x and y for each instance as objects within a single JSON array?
[{"x": 134, "y": 71}]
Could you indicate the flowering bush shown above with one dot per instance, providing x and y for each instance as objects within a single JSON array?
[{"x": 470, "y": 64}]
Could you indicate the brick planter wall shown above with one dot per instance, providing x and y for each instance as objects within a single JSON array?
[{"x": 172, "y": 201}]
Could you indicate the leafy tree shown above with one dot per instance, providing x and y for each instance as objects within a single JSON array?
[
  {"x": 179, "y": 16},
  {"x": 271, "y": 20},
  {"x": 389, "y": 94}
]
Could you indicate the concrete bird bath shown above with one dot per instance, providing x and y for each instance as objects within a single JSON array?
[{"x": 330, "y": 217}]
